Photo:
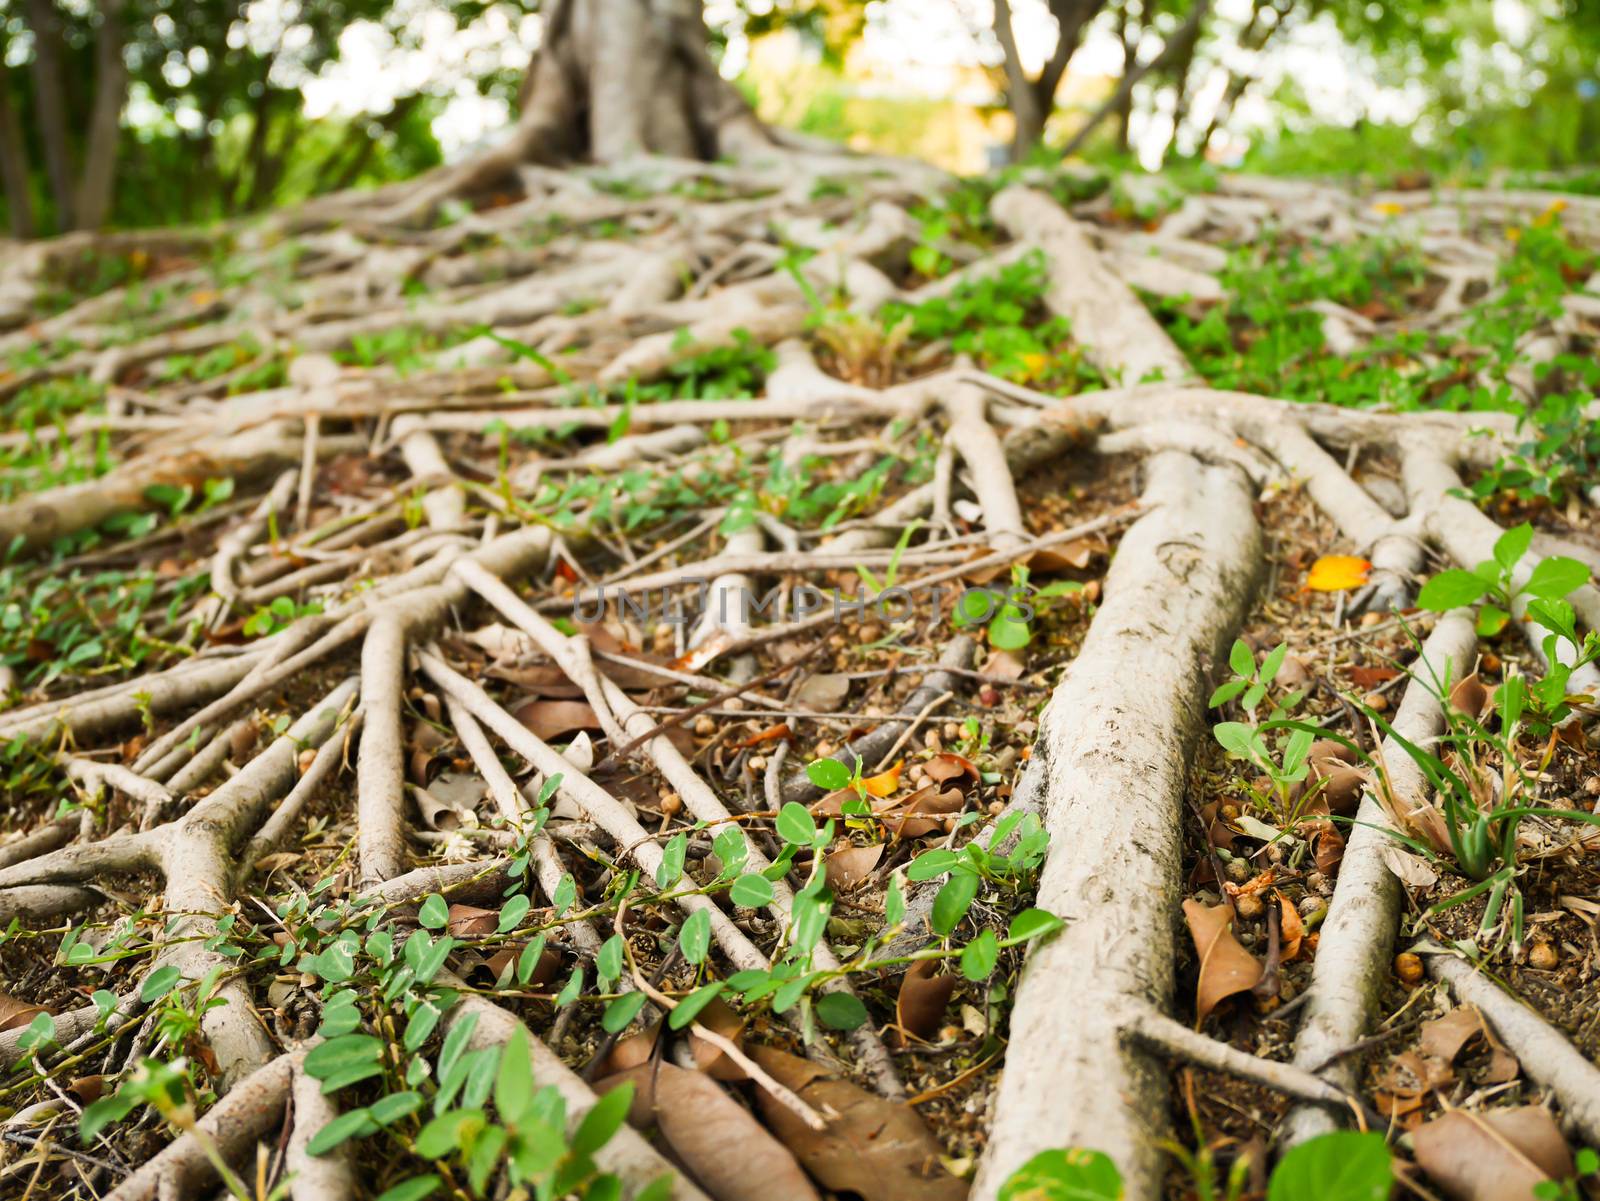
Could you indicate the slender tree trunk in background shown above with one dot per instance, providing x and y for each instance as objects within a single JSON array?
[
  {"x": 14, "y": 162},
  {"x": 105, "y": 119},
  {"x": 1033, "y": 100},
  {"x": 48, "y": 98},
  {"x": 1183, "y": 36},
  {"x": 1128, "y": 35}
]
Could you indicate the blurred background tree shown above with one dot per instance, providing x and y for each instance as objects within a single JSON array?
[{"x": 137, "y": 112}]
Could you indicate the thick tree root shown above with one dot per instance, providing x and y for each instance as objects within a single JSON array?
[{"x": 1120, "y": 725}]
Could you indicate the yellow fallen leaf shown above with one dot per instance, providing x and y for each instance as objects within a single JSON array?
[
  {"x": 1335, "y": 573},
  {"x": 1388, "y": 208},
  {"x": 201, "y": 298},
  {"x": 885, "y": 782},
  {"x": 1034, "y": 364}
]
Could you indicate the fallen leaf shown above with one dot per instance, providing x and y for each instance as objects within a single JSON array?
[
  {"x": 1370, "y": 677},
  {"x": 15, "y": 1014},
  {"x": 1291, "y": 927},
  {"x": 271, "y": 863},
  {"x": 1471, "y": 697},
  {"x": 877, "y": 1149},
  {"x": 948, "y": 765},
  {"x": 910, "y": 818},
  {"x": 770, "y": 734},
  {"x": 1495, "y": 1156},
  {"x": 468, "y": 921},
  {"x": 1412, "y": 870},
  {"x": 551, "y": 719},
  {"x": 1447, "y": 1037},
  {"x": 824, "y": 692},
  {"x": 1226, "y": 968},
  {"x": 88, "y": 1089},
  {"x": 1327, "y": 849},
  {"x": 1003, "y": 665},
  {"x": 719, "y": 1018},
  {"x": 919, "y": 1009},
  {"x": 549, "y": 967},
  {"x": 1336, "y": 573},
  {"x": 716, "y": 1138},
  {"x": 885, "y": 782},
  {"x": 850, "y": 867}
]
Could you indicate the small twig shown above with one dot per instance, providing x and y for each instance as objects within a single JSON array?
[{"x": 784, "y": 1096}]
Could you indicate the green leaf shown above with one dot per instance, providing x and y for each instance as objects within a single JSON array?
[
  {"x": 931, "y": 864},
  {"x": 608, "y": 959},
  {"x": 565, "y": 894},
  {"x": 604, "y": 1120},
  {"x": 512, "y": 912},
  {"x": 1008, "y": 632},
  {"x": 840, "y": 1011},
  {"x": 978, "y": 956},
  {"x": 622, "y": 1011},
  {"x": 694, "y": 937},
  {"x": 443, "y": 1134},
  {"x": 1073, "y": 1174},
  {"x": 355, "y": 1124},
  {"x": 954, "y": 898},
  {"x": 1272, "y": 663},
  {"x": 414, "y": 1189},
  {"x": 794, "y": 821},
  {"x": 827, "y": 774},
  {"x": 1226, "y": 692},
  {"x": 1031, "y": 924},
  {"x": 1512, "y": 545},
  {"x": 528, "y": 961},
  {"x": 573, "y": 987},
  {"x": 394, "y": 1106},
  {"x": 159, "y": 983},
  {"x": 1242, "y": 659},
  {"x": 1555, "y": 577},
  {"x": 338, "y": 1055},
  {"x": 751, "y": 891},
  {"x": 1341, "y": 1166},
  {"x": 689, "y": 1008},
  {"x": 103, "y": 1112},
  {"x": 513, "y": 1085},
  {"x": 671, "y": 866},
  {"x": 894, "y": 902},
  {"x": 1450, "y": 590},
  {"x": 1491, "y": 620},
  {"x": 435, "y": 913}
]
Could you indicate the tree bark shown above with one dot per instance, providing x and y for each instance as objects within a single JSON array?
[
  {"x": 46, "y": 26},
  {"x": 105, "y": 119},
  {"x": 14, "y": 163},
  {"x": 1032, "y": 100}
]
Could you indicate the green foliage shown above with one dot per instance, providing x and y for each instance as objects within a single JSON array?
[
  {"x": 1500, "y": 585},
  {"x": 1341, "y": 1166},
  {"x": 1000, "y": 321}
]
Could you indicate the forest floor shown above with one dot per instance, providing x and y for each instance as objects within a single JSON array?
[{"x": 1047, "y": 685}]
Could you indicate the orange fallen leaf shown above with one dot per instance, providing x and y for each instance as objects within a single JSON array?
[
  {"x": 1226, "y": 968},
  {"x": 1291, "y": 929},
  {"x": 770, "y": 734},
  {"x": 885, "y": 782},
  {"x": 1335, "y": 573}
]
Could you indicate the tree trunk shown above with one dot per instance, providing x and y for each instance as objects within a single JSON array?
[
  {"x": 46, "y": 26},
  {"x": 14, "y": 162},
  {"x": 105, "y": 119}
]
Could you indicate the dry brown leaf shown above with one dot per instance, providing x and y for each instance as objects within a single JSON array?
[
  {"x": 1291, "y": 927},
  {"x": 876, "y": 1149},
  {"x": 919, "y": 1010},
  {"x": 271, "y": 863},
  {"x": 552, "y": 719},
  {"x": 1371, "y": 677},
  {"x": 468, "y": 921},
  {"x": 949, "y": 766},
  {"x": 632, "y": 1051},
  {"x": 1446, "y": 1037},
  {"x": 720, "y": 1142},
  {"x": 1226, "y": 968},
  {"x": 719, "y": 1018},
  {"x": 544, "y": 972},
  {"x": 851, "y": 867},
  {"x": 1327, "y": 848},
  {"x": 1494, "y": 1156},
  {"x": 1002, "y": 664},
  {"x": 14, "y": 1013}
]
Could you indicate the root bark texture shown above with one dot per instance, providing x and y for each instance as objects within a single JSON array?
[{"x": 1120, "y": 726}]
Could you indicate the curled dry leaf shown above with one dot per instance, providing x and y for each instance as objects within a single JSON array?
[
  {"x": 1226, "y": 968},
  {"x": 632, "y": 1051},
  {"x": 877, "y": 1149},
  {"x": 1499, "y": 1155},
  {"x": 770, "y": 734},
  {"x": 1291, "y": 927},
  {"x": 885, "y": 782},
  {"x": 439, "y": 814},
  {"x": 718, "y": 1140},
  {"x": 1413, "y": 870},
  {"x": 1472, "y": 697},
  {"x": 1003, "y": 664},
  {"x": 15, "y": 1014},
  {"x": 949, "y": 766},
  {"x": 1446, "y": 1037},
  {"x": 919, "y": 1009},
  {"x": 546, "y": 971},
  {"x": 1371, "y": 677},
  {"x": 851, "y": 867},
  {"x": 552, "y": 719},
  {"x": 468, "y": 921},
  {"x": 722, "y": 1019}
]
